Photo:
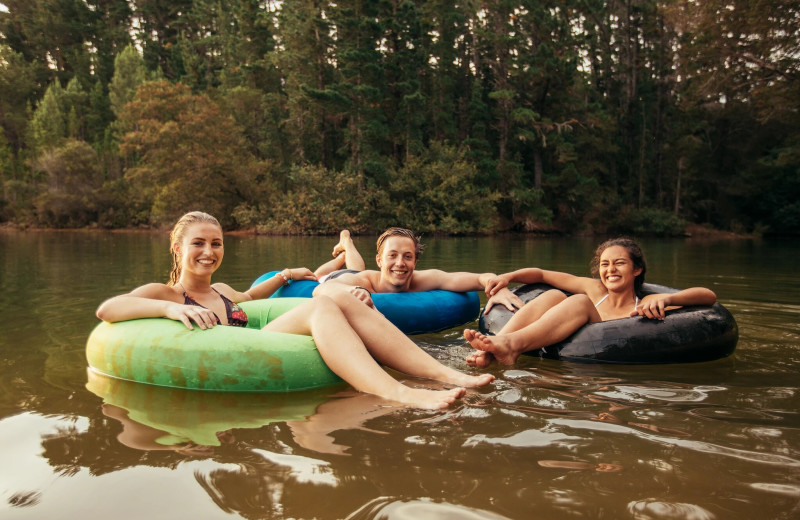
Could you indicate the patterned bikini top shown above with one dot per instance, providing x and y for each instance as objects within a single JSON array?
[{"x": 236, "y": 316}]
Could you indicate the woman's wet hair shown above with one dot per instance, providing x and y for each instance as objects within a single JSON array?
[
  {"x": 177, "y": 234},
  {"x": 401, "y": 232},
  {"x": 634, "y": 252}
]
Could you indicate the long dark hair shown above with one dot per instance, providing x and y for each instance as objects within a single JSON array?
[
  {"x": 177, "y": 234},
  {"x": 634, "y": 251}
]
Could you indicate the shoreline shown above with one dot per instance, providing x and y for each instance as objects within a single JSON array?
[{"x": 691, "y": 232}]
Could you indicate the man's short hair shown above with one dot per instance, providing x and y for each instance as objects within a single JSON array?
[{"x": 401, "y": 232}]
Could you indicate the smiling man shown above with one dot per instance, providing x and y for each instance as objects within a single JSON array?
[{"x": 398, "y": 251}]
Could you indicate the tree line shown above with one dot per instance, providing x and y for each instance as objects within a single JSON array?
[{"x": 307, "y": 116}]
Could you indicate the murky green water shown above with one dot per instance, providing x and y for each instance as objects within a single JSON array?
[{"x": 547, "y": 440}]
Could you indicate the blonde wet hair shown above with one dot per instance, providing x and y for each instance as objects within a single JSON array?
[
  {"x": 179, "y": 232},
  {"x": 401, "y": 232}
]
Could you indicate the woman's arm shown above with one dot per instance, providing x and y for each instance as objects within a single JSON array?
[
  {"x": 654, "y": 306},
  {"x": 154, "y": 300},
  {"x": 268, "y": 287}
]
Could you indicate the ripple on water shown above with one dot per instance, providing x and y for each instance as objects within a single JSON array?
[
  {"x": 388, "y": 508},
  {"x": 660, "y": 392},
  {"x": 654, "y": 509},
  {"x": 527, "y": 439},
  {"x": 743, "y": 415},
  {"x": 777, "y": 489}
]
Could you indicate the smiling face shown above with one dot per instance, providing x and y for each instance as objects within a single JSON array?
[
  {"x": 397, "y": 261},
  {"x": 200, "y": 249},
  {"x": 616, "y": 269}
]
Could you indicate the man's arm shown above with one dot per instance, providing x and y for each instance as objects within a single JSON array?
[
  {"x": 431, "y": 279},
  {"x": 462, "y": 282},
  {"x": 564, "y": 281}
]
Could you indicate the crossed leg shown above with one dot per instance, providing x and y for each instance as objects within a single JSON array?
[
  {"x": 554, "y": 324},
  {"x": 529, "y": 313}
]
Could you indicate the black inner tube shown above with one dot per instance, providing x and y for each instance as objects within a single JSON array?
[{"x": 686, "y": 335}]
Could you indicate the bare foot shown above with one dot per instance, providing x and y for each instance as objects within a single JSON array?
[
  {"x": 499, "y": 346},
  {"x": 461, "y": 379},
  {"x": 428, "y": 399},
  {"x": 344, "y": 237},
  {"x": 446, "y": 374},
  {"x": 480, "y": 359}
]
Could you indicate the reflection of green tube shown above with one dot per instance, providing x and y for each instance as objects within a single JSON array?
[
  {"x": 164, "y": 352},
  {"x": 199, "y": 416}
]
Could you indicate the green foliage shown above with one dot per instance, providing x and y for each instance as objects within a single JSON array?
[
  {"x": 438, "y": 192},
  {"x": 185, "y": 154},
  {"x": 317, "y": 201},
  {"x": 49, "y": 124},
  {"x": 17, "y": 86},
  {"x": 6, "y": 175},
  {"x": 775, "y": 205},
  {"x": 76, "y": 101},
  {"x": 573, "y": 196},
  {"x": 71, "y": 177},
  {"x": 129, "y": 73},
  {"x": 529, "y": 203},
  {"x": 541, "y": 113},
  {"x": 647, "y": 221},
  {"x": 114, "y": 207},
  {"x": 17, "y": 201},
  {"x": 259, "y": 116},
  {"x": 309, "y": 124},
  {"x": 6, "y": 159}
]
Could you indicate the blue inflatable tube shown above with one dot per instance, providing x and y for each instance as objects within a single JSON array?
[
  {"x": 411, "y": 312},
  {"x": 686, "y": 335}
]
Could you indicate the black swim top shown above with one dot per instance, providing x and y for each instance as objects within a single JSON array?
[
  {"x": 236, "y": 316},
  {"x": 337, "y": 274}
]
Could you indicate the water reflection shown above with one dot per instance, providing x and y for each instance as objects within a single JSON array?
[
  {"x": 257, "y": 470},
  {"x": 194, "y": 423},
  {"x": 266, "y": 484},
  {"x": 548, "y": 437}
]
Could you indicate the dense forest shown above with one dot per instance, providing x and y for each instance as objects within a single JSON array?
[{"x": 307, "y": 116}]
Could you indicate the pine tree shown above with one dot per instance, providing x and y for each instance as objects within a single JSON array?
[
  {"x": 129, "y": 73},
  {"x": 306, "y": 65},
  {"x": 49, "y": 123},
  {"x": 360, "y": 85}
]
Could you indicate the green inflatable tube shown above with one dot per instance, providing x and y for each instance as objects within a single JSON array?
[{"x": 164, "y": 352}]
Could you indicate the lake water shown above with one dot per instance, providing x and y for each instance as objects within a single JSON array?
[{"x": 548, "y": 439}]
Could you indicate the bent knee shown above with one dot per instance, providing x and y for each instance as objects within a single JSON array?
[
  {"x": 325, "y": 303},
  {"x": 554, "y": 295},
  {"x": 581, "y": 301}
]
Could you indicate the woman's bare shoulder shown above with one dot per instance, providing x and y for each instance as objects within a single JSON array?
[{"x": 156, "y": 290}]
